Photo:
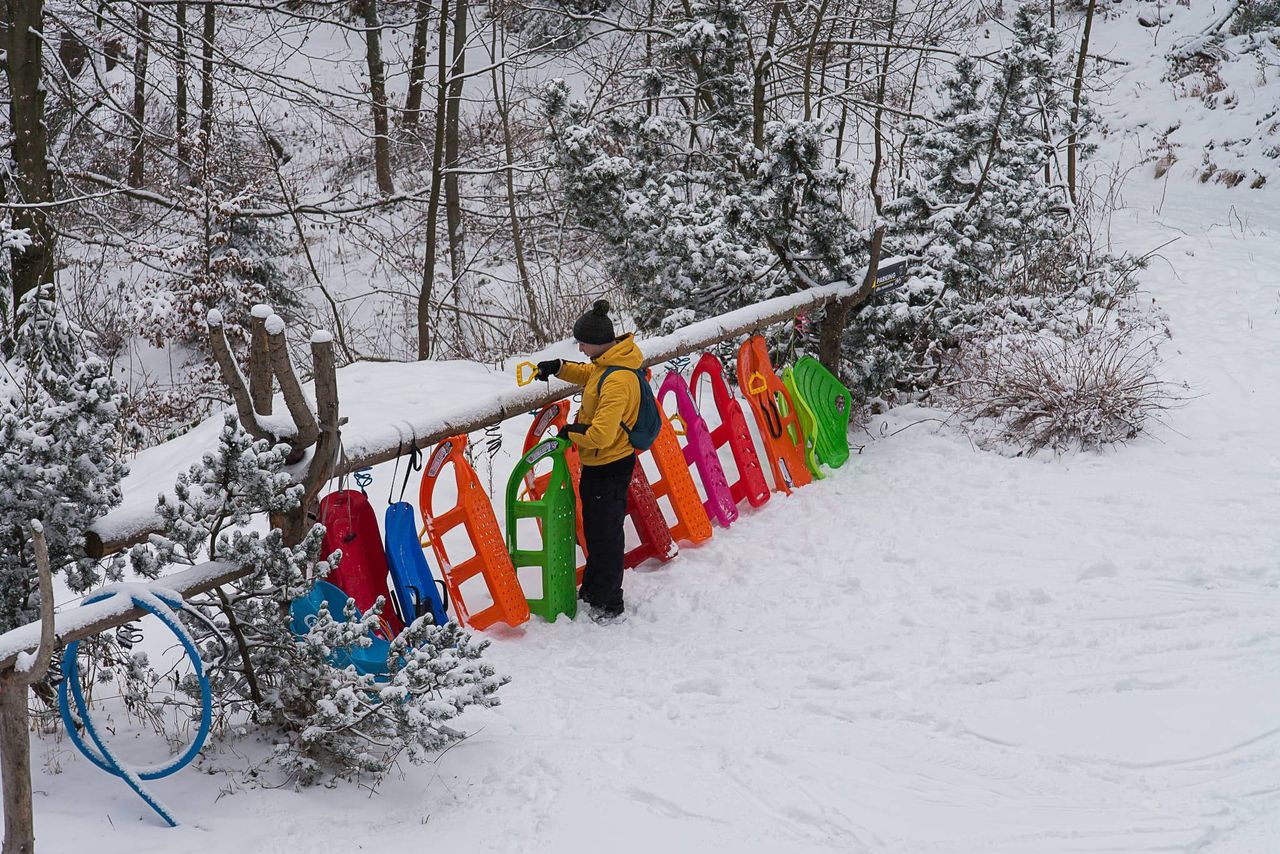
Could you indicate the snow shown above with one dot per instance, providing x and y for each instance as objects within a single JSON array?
[
  {"x": 215, "y": 317},
  {"x": 321, "y": 336},
  {"x": 275, "y": 325},
  {"x": 934, "y": 650},
  {"x": 261, "y": 311}
]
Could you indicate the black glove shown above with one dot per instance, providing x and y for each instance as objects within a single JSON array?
[
  {"x": 571, "y": 428},
  {"x": 547, "y": 369}
]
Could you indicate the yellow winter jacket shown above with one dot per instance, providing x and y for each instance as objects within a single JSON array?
[{"x": 617, "y": 403}]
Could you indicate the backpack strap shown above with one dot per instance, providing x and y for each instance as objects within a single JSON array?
[{"x": 600, "y": 386}]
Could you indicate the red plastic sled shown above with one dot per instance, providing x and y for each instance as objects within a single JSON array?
[
  {"x": 351, "y": 527},
  {"x": 751, "y": 484}
]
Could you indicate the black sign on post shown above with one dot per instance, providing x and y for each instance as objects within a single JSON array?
[{"x": 890, "y": 274}]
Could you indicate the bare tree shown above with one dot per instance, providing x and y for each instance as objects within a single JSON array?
[
  {"x": 137, "y": 155},
  {"x": 378, "y": 93}
]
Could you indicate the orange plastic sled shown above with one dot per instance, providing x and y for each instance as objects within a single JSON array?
[
  {"x": 775, "y": 414},
  {"x": 692, "y": 524},
  {"x": 642, "y": 505},
  {"x": 491, "y": 560}
]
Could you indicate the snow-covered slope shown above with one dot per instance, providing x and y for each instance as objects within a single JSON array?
[{"x": 934, "y": 650}]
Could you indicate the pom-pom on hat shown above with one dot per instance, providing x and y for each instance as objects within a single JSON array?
[{"x": 595, "y": 327}]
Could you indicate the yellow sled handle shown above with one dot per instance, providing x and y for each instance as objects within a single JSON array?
[
  {"x": 524, "y": 379},
  {"x": 756, "y": 384},
  {"x": 682, "y": 429}
]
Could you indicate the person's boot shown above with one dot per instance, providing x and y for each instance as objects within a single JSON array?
[{"x": 606, "y": 616}]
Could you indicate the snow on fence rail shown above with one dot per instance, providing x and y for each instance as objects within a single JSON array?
[
  {"x": 130, "y": 525},
  {"x": 88, "y": 620}
]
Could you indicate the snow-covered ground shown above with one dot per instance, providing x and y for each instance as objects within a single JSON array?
[{"x": 934, "y": 650}]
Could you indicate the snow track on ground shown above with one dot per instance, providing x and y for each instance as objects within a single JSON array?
[{"x": 935, "y": 650}]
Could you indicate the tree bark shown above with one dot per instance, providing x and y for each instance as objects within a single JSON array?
[
  {"x": 15, "y": 736},
  {"x": 378, "y": 94},
  {"x": 452, "y": 146},
  {"x": 517, "y": 235},
  {"x": 32, "y": 266},
  {"x": 417, "y": 65},
  {"x": 836, "y": 315},
  {"x": 180, "y": 79},
  {"x": 1077, "y": 91},
  {"x": 137, "y": 154},
  {"x": 433, "y": 202},
  {"x": 206, "y": 75}
]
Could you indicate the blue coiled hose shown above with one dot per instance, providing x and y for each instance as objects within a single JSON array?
[{"x": 162, "y": 605}]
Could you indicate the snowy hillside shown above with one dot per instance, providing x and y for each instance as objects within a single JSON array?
[{"x": 936, "y": 649}]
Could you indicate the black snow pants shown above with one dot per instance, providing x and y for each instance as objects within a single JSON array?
[{"x": 604, "y": 509}]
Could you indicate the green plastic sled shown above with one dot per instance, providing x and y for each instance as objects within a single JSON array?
[
  {"x": 832, "y": 406},
  {"x": 557, "y": 519},
  {"x": 808, "y": 424}
]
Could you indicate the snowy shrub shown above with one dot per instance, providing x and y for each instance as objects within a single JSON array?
[
  {"x": 1037, "y": 391},
  {"x": 60, "y": 438},
  {"x": 1255, "y": 16},
  {"x": 321, "y": 719},
  {"x": 230, "y": 269}
]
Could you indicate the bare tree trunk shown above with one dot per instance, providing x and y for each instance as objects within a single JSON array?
[
  {"x": 433, "y": 203},
  {"x": 417, "y": 65},
  {"x": 378, "y": 93},
  {"x": 23, "y": 41},
  {"x": 836, "y": 315},
  {"x": 137, "y": 155},
  {"x": 517, "y": 235},
  {"x": 452, "y": 146},
  {"x": 760, "y": 76},
  {"x": 180, "y": 69},
  {"x": 819, "y": 20},
  {"x": 206, "y": 76},
  {"x": 1077, "y": 91}
]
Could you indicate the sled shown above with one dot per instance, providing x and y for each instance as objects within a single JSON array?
[
  {"x": 832, "y": 406},
  {"x": 475, "y": 513},
  {"x": 775, "y": 414},
  {"x": 751, "y": 485},
  {"x": 808, "y": 425},
  {"x": 675, "y": 482},
  {"x": 554, "y": 509},
  {"x": 351, "y": 527},
  {"x": 700, "y": 452},
  {"x": 368, "y": 660},
  {"x": 642, "y": 506},
  {"x": 415, "y": 587}
]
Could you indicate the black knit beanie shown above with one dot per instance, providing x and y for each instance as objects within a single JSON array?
[{"x": 595, "y": 327}]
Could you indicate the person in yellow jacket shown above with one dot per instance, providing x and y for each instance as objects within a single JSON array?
[{"x": 608, "y": 459}]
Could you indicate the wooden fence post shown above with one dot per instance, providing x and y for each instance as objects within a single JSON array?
[{"x": 15, "y": 736}]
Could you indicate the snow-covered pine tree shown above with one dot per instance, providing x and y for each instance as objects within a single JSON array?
[
  {"x": 322, "y": 719},
  {"x": 702, "y": 207},
  {"x": 985, "y": 216},
  {"x": 61, "y": 441}
]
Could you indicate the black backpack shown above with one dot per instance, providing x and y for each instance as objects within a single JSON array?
[{"x": 648, "y": 419}]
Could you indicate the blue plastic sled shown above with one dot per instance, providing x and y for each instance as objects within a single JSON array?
[
  {"x": 368, "y": 661},
  {"x": 416, "y": 591}
]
